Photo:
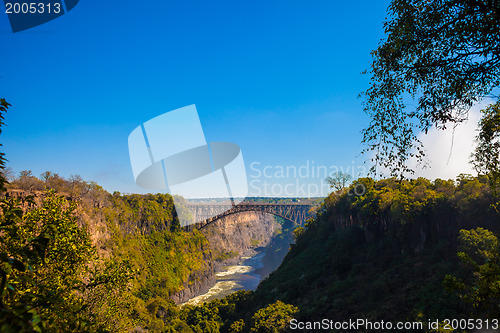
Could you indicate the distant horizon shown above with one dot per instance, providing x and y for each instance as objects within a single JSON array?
[{"x": 246, "y": 197}]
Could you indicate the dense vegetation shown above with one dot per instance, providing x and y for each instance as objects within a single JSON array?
[
  {"x": 149, "y": 258},
  {"x": 380, "y": 250},
  {"x": 140, "y": 232},
  {"x": 50, "y": 269},
  {"x": 385, "y": 253},
  {"x": 388, "y": 253}
]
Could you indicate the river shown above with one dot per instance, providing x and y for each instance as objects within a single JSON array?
[{"x": 233, "y": 278}]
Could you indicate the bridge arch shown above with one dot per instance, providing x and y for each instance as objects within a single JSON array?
[{"x": 295, "y": 213}]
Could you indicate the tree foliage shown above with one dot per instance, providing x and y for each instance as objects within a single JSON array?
[
  {"x": 383, "y": 252},
  {"x": 52, "y": 278},
  {"x": 486, "y": 158},
  {"x": 4, "y": 105},
  {"x": 443, "y": 54},
  {"x": 480, "y": 251},
  {"x": 274, "y": 318}
]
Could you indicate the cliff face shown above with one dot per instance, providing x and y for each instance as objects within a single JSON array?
[
  {"x": 88, "y": 214},
  {"x": 277, "y": 249},
  {"x": 237, "y": 235}
]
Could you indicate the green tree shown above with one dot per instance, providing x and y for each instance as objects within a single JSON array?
[
  {"x": 480, "y": 251},
  {"x": 274, "y": 318},
  {"x": 237, "y": 326},
  {"x": 203, "y": 319},
  {"x": 446, "y": 55},
  {"x": 52, "y": 278},
  {"x": 298, "y": 232},
  {"x": 486, "y": 158},
  {"x": 3, "y": 109}
]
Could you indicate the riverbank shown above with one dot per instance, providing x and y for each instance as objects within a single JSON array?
[{"x": 231, "y": 278}]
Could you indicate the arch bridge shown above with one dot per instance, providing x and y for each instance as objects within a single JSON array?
[{"x": 209, "y": 213}]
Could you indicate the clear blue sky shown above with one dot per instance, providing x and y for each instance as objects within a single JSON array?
[{"x": 279, "y": 78}]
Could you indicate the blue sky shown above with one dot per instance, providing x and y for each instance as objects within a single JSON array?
[{"x": 279, "y": 78}]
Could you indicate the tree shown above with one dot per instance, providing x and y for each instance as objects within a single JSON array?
[
  {"x": 339, "y": 181},
  {"x": 480, "y": 251},
  {"x": 445, "y": 54},
  {"x": 27, "y": 182},
  {"x": 274, "y": 318},
  {"x": 3, "y": 109},
  {"x": 486, "y": 156},
  {"x": 237, "y": 326},
  {"x": 8, "y": 174},
  {"x": 202, "y": 319},
  {"x": 53, "y": 181}
]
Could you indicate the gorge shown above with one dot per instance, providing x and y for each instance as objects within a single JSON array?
[{"x": 233, "y": 239}]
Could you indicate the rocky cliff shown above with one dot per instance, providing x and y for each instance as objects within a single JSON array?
[{"x": 237, "y": 235}]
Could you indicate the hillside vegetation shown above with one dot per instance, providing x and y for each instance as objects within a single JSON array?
[
  {"x": 126, "y": 261},
  {"x": 385, "y": 253},
  {"x": 380, "y": 250}
]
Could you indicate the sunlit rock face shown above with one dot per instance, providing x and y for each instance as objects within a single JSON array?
[{"x": 240, "y": 232}]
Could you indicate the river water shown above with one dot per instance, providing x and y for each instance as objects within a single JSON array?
[{"x": 233, "y": 278}]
